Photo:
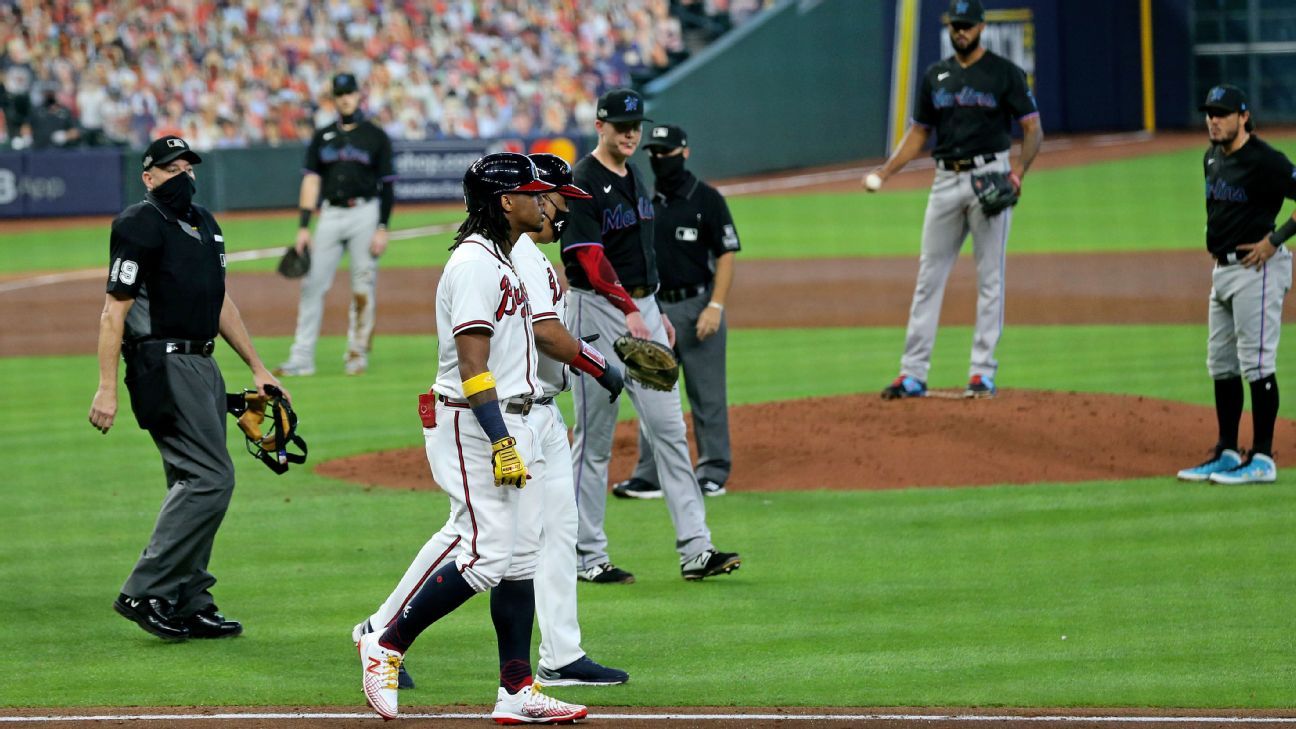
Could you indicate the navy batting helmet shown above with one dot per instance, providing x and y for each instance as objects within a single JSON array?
[
  {"x": 555, "y": 170},
  {"x": 499, "y": 173}
]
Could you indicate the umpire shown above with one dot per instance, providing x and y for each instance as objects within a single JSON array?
[
  {"x": 165, "y": 304},
  {"x": 695, "y": 240},
  {"x": 349, "y": 166}
]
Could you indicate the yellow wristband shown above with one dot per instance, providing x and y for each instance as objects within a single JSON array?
[{"x": 478, "y": 383}]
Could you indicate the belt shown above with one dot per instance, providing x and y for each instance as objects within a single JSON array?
[
  {"x": 963, "y": 165},
  {"x": 349, "y": 202},
  {"x": 512, "y": 406},
  {"x": 203, "y": 347},
  {"x": 543, "y": 401},
  {"x": 1228, "y": 259},
  {"x": 674, "y": 296},
  {"x": 641, "y": 292}
]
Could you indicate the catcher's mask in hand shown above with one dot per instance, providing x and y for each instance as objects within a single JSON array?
[{"x": 271, "y": 446}]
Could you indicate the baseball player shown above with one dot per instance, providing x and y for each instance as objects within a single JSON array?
[
  {"x": 481, "y": 445},
  {"x": 608, "y": 251},
  {"x": 562, "y": 662},
  {"x": 971, "y": 100},
  {"x": 1246, "y": 181},
  {"x": 349, "y": 168},
  {"x": 165, "y": 303},
  {"x": 696, "y": 241}
]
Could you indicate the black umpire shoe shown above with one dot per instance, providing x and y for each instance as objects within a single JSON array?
[
  {"x": 210, "y": 623},
  {"x": 636, "y": 488},
  {"x": 153, "y": 614},
  {"x": 709, "y": 564}
]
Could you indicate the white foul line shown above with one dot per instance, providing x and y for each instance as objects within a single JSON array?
[
  {"x": 1279, "y": 720},
  {"x": 87, "y": 274}
]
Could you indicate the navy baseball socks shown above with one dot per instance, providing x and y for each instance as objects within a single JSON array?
[
  {"x": 445, "y": 591},
  {"x": 512, "y": 605}
]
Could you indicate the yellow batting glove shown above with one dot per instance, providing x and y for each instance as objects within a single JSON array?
[{"x": 509, "y": 469}]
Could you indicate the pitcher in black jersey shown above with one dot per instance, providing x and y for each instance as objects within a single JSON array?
[{"x": 1246, "y": 181}]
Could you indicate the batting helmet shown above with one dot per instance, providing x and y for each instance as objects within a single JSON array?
[
  {"x": 555, "y": 170},
  {"x": 499, "y": 173}
]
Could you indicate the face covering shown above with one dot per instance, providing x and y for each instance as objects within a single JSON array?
[
  {"x": 669, "y": 171},
  {"x": 351, "y": 118},
  {"x": 176, "y": 193},
  {"x": 559, "y": 220}
]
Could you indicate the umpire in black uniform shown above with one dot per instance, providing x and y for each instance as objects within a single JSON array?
[
  {"x": 165, "y": 304},
  {"x": 695, "y": 240}
]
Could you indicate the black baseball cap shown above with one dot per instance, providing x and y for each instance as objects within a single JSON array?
[
  {"x": 345, "y": 83},
  {"x": 621, "y": 105},
  {"x": 667, "y": 136},
  {"x": 168, "y": 149},
  {"x": 965, "y": 11},
  {"x": 1225, "y": 98}
]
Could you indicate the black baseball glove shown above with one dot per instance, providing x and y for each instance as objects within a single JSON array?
[
  {"x": 649, "y": 363},
  {"x": 996, "y": 191},
  {"x": 294, "y": 264}
]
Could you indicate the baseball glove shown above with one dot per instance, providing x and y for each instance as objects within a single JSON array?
[
  {"x": 996, "y": 191},
  {"x": 294, "y": 264},
  {"x": 649, "y": 363}
]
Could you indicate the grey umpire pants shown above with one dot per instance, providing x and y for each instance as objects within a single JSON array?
[
  {"x": 953, "y": 211},
  {"x": 200, "y": 482},
  {"x": 339, "y": 230},
  {"x": 703, "y": 362},
  {"x": 660, "y": 416}
]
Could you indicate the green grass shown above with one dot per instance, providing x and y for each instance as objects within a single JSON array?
[{"x": 1168, "y": 595}]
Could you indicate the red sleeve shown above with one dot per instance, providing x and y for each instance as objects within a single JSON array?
[{"x": 598, "y": 269}]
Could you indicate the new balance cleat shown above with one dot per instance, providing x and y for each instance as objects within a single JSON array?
[
  {"x": 709, "y": 564},
  {"x": 381, "y": 668},
  {"x": 606, "y": 573},
  {"x": 531, "y": 706}
]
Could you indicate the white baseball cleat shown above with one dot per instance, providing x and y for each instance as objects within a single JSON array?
[
  {"x": 530, "y": 706},
  {"x": 381, "y": 667}
]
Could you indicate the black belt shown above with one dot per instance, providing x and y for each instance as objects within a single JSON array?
[
  {"x": 674, "y": 296},
  {"x": 1228, "y": 259},
  {"x": 512, "y": 406},
  {"x": 203, "y": 347},
  {"x": 349, "y": 202},
  {"x": 963, "y": 165}
]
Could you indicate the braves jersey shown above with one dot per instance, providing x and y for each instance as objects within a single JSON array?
[
  {"x": 548, "y": 301},
  {"x": 480, "y": 291},
  {"x": 1244, "y": 193},
  {"x": 351, "y": 163},
  {"x": 618, "y": 217},
  {"x": 972, "y": 109}
]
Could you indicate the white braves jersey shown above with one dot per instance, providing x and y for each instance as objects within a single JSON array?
[
  {"x": 548, "y": 301},
  {"x": 480, "y": 290}
]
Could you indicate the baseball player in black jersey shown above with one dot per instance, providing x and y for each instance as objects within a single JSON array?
[
  {"x": 1246, "y": 181},
  {"x": 971, "y": 100},
  {"x": 165, "y": 304},
  {"x": 349, "y": 175},
  {"x": 696, "y": 242}
]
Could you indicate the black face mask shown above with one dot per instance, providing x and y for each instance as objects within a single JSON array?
[
  {"x": 176, "y": 193},
  {"x": 669, "y": 171},
  {"x": 559, "y": 220},
  {"x": 351, "y": 118}
]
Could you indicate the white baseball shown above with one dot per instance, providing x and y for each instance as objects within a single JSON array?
[{"x": 873, "y": 181}]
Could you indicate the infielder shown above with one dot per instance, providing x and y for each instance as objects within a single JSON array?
[
  {"x": 482, "y": 446},
  {"x": 608, "y": 251},
  {"x": 562, "y": 661},
  {"x": 348, "y": 167},
  {"x": 971, "y": 100},
  {"x": 1246, "y": 181}
]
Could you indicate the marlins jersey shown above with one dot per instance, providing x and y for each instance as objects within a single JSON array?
[
  {"x": 972, "y": 109},
  {"x": 1244, "y": 193},
  {"x": 548, "y": 301},
  {"x": 481, "y": 291}
]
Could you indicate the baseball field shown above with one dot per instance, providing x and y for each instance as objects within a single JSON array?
[{"x": 1027, "y": 555}]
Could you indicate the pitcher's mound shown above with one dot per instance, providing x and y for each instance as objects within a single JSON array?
[{"x": 864, "y": 442}]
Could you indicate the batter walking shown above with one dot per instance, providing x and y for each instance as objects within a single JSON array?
[
  {"x": 166, "y": 303},
  {"x": 971, "y": 100},
  {"x": 611, "y": 264},
  {"x": 695, "y": 242},
  {"x": 349, "y": 168},
  {"x": 1246, "y": 181},
  {"x": 481, "y": 443}
]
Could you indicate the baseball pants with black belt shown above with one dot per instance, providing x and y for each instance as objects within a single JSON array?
[
  {"x": 340, "y": 229},
  {"x": 703, "y": 362},
  {"x": 1245, "y": 318},
  {"x": 200, "y": 482}
]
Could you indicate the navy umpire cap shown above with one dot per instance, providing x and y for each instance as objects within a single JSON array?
[
  {"x": 555, "y": 171},
  {"x": 621, "y": 105},
  {"x": 497, "y": 174},
  {"x": 666, "y": 137},
  {"x": 965, "y": 11},
  {"x": 167, "y": 149},
  {"x": 345, "y": 83}
]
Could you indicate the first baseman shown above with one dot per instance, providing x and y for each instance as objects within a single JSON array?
[
  {"x": 1246, "y": 181},
  {"x": 971, "y": 100}
]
